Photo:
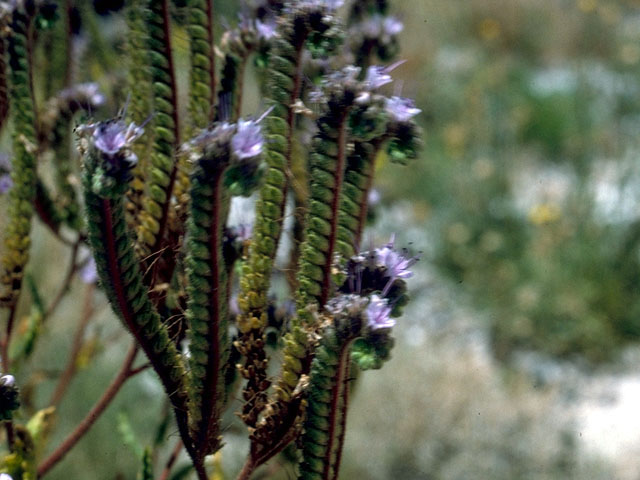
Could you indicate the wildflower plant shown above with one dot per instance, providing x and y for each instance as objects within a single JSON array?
[{"x": 149, "y": 193}]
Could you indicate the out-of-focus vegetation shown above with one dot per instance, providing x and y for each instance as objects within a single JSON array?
[{"x": 529, "y": 185}]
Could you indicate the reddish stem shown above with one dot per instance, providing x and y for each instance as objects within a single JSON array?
[
  {"x": 335, "y": 202},
  {"x": 336, "y": 395},
  {"x": 248, "y": 468},
  {"x": 71, "y": 367},
  {"x": 171, "y": 461},
  {"x": 212, "y": 56},
  {"x": 176, "y": 130},
  {"x": 128, "y": 316},
  {"x": 344, "y": 408},
  {"x": 364, "y": 206},
  {"x": 291, "y": 117},
  {"x": 64, "y": 289},
  {"x": 107, "y": 397}
]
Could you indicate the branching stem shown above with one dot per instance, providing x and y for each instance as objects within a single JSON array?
[{"x": 83, "y": 427}]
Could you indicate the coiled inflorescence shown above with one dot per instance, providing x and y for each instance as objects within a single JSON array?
[
  {"x": 56, "y": 121},
  {"x": 214, "y": 151},
  {"x": 305, "y": 25},
  {"x": 384, "y": 122},
  {"x": 372, "y": 32},
  {"x": 363, "y": 314},
  {"x": 23, "y": 173},
  {"x": 108, "y": 161},
  {"x": 140, "y": 98},
  {"x": 162, "y": 170},
  {"x": 202, "y": 75},
  {"x": 239, "y": 44}
]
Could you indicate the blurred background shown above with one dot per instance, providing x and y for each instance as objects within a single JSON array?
[{"x": 518, "y": 357}]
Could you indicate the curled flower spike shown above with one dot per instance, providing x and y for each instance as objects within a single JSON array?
[
  {"x": 109, "y": 143},
  {"x": 401, "y": 109},
  {"x": 378, "y": 313}
]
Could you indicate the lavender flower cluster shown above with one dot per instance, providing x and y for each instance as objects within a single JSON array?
[
  {"x": 378, "y": 276},
  {"x": 5, "y": 174}
]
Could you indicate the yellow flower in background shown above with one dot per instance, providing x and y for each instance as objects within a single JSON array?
[
  {"x": 544, "y": 213},
  {"x": 587, "y": 6},
  {"x": 489, "y": 29}
]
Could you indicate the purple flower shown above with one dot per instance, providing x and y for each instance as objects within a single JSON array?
[
  {"x": 266, "y": 30},
  {"x": 377, "y": 76},
  {"x": 396, "y": 264},
  {"x": 111, "y": 137},
  {"x": 392, "y": 26},
  {"x": 5, "y": 183},
  {"x": 89, "y": 272},
  {"x": 5, "y": 9},
  {"x": 401, "y": 109},
  {"x": 234, "y": 308},
  {"x": 333, "y": 4},
  {"x": 248, "y": 140},
  {"x": 373, "y": 197},
  {"x": 84, "y": 92},
  {"x": 371, "y": 28},
  {"x": 378, "y": 313},
  {"x": 5, "y": 476}
]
